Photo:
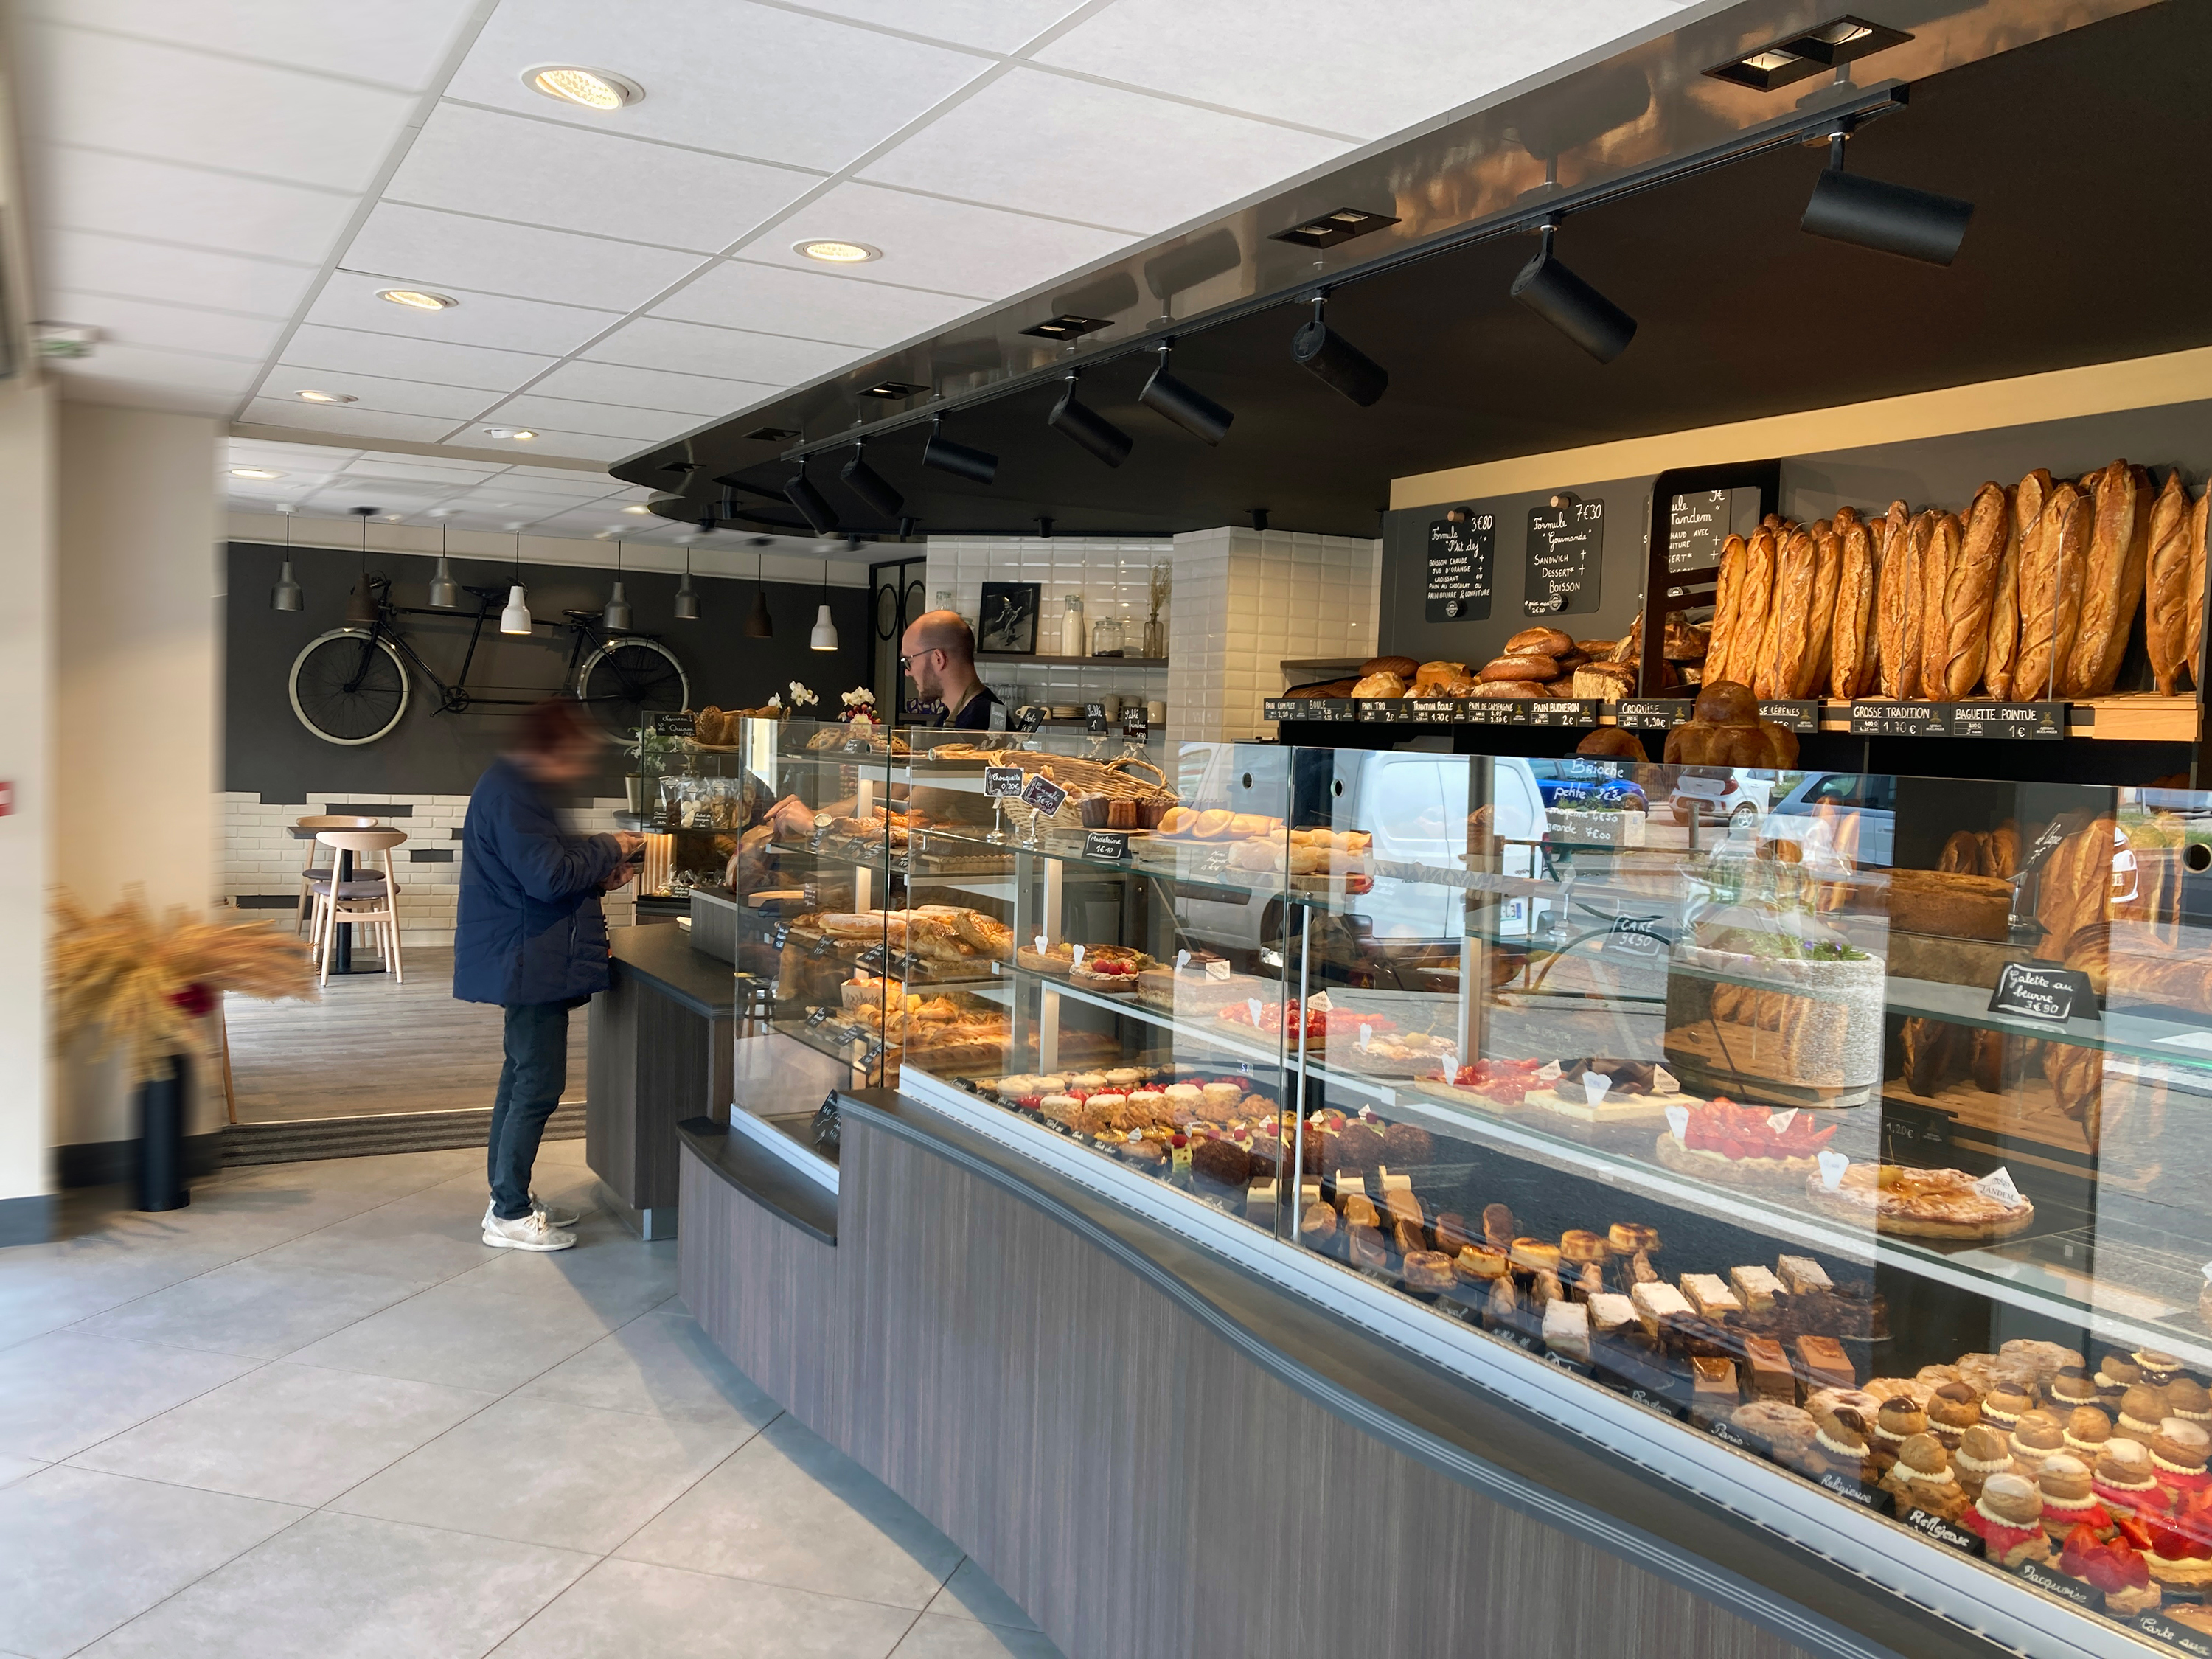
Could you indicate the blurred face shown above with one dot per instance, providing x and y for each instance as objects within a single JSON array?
[
  {"x": 569, "y": 764},
  {"x": 925, "y": 664}
]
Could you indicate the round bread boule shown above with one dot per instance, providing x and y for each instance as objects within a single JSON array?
[
  {"x": 1726, "y": 703},
  {"x": 1545, "y": 641},
  {"x": 1519, "y": 665}
]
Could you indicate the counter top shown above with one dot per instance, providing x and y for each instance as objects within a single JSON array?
[{"x": 662, "y": 956}]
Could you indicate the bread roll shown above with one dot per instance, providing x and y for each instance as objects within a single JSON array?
[
  {"x": 1725, "y": 595},
  {"x": 1854, "y": 638},
  {"x": 2003, "y": 851},
  {"x": 1897, "y": 600},
  {"x": 1971, "y": 593},
  {"x": 2053, "y": 552},
  {"x": 1962, "y": 855},
  {"x": 1749, "y": 634},
  {"x": 1518, "y": 666},
  {"x": 1827, "y": 573},
  {"x": 1937, "y": 537},
  {"x": 1383, "y": 683},
  {"x": 1539, "y": 642},
  {"x": 1508, "y": 688},
  {"x": 1612, "y": 741},
  {"x": 2112, "y": 583},
  {"x": 2027, "y": 502},
  {"x": 2194, "y": 649},
  {"x": 2166, "y": 585}
]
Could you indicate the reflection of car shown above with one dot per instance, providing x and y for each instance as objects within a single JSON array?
[
  {"x": 1718, "y": 794},
  {"x": 1829, "y": 797}
]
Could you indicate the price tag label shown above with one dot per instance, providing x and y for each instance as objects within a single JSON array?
[
  {"x": 1652, "y": 714},
  {"x": 1252, "y": 1003},
  {"x": 1382, "y": 708},
  {"x": 1832, "y": 1165},
  {"x": 1900, "y": 719},
  {"x": 1094, "y": 718},
  {"x": 1218, "y": 969},
  {"x": 1857, "y": 1491},
  {"x": 2032, "y": 990},
  {"x": 1997, "y": 1187},
  {"x": 782, "y": 932},
  {"x": 1634, "y": 936},
  {"x": 2158, "y": 1625},
  {"x": 1288, "y": 709},
  {"x": 1435, "y": 711},
  {"x": 1002, "y": 782},
  {"x": 1678, "y": 1124},
  {"x": 1595, "y": 1085},
  {"x": 1793, "y": 715},
  {"x": 2039, "y": 722},
  {"x": 816, "y": 1018},
  {"x": 1109, "y": 844},
  {"x": 1562, "y": 711},
  {"x": 1136, "y": 724},
  {"x": 1075, "y": 956},
  {"x": 1494, "y": 711},
  {"x": 1030, "y": 717},
  {"x": 2079, "y": 1592},
  {"x": 1945, "y": 1532},
  {"x": 821, "y": 947},
  {"x": 1780, "y": 1121},
  {"x": 1048, "y": 797}
]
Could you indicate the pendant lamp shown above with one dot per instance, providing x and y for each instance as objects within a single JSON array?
[
  {"x": 687, "y": 602},
  {"x": 825, "y": 636},
  {"x": 616, "y": 615},
  {"x": 444, "y": 592},
  {"x": 515, "y": 619},
  {"x": 361, "y": 605},
  {"x": 757, "y": 625},
  {"x": 287, "y": 595}
]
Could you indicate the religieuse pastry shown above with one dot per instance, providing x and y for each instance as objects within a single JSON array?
[
  {"x": 1983, "y": 1452},
  {"x": 2124, "y": 1479},
  {"x": 1953, "y": 1409},
  {"x": 2036, "y": 1438},
  {"x": 2008, "y": 1515},
  {"x": 2069, "y": 1497},
  {"x": 1921, "y": 1479}
]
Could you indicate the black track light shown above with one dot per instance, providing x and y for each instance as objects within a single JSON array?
[
  {"x": 873, "y": 489},
  {"x": 1571, "y": 305},
  {"x": 757, "y": 625},
  {"x": 1091, "y": 430},
  {"x": 1189, "y": 408},
  {"x": 808, "y": 499},
  {"x": 1337, "y": 362},
  {"x": 962, "y": 461},
  {"x": 1914, "y": 224}
]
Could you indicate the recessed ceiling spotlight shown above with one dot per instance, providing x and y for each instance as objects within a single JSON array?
[
  {"x": 325, "y": 398},
  {"x": 520, "y": 435},
  {"x": 253, "y": 472},
  {"x": 637, "y": 508},
  {"x": 891, "y": 391},
  {"x": 417, "y": 298},
  {"x": 1068, "y": 326},
  {"x": 593, "y": 89},
  {"x": 837, "y": 253},
  {"x": 771, "y": 435},
  {"x": 1331, "y": 229},
  {"x": 1800, "y": 56}
]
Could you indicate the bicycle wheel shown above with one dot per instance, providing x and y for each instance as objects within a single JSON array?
[
  {"x": 624, "y": 680},
  {"x": 348, "y": 688}
]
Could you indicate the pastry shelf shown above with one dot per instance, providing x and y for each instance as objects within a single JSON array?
[{"x": 2165, "y": 1038}]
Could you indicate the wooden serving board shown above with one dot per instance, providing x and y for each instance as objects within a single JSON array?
[
  {"x": 1746, "y": 1066},
  {"x": 2027, "y": 1111}
]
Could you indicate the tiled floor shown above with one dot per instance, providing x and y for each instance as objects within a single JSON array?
[{"x": 313, "y": 1415}]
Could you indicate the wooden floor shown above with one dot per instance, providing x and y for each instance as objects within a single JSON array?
[{"x": 371, "y": 1047}]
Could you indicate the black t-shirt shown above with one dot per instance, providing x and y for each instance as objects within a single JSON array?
[{"x": 976, "y": 714}]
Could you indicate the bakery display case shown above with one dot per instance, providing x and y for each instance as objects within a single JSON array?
[{"x": 1840, "y": 1153}]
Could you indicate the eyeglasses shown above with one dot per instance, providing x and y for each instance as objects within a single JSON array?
[{"x": 934, "y": 651}]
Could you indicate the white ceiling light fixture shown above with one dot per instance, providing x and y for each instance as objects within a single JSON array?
[
  {"x": 825, "y": 636},
  {"x": 417, "y": 298},
  {"x": 253, "y": 472},
  {"x": 312, "y": 397},
  {"x": 637, "y": 508},
  {"x": 837, "y": 253},
  {"x": 587, "y": 88},
  {"x": 515, "y": 619}
]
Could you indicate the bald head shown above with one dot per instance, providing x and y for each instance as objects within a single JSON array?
[
  {"x": 940, "y": 654},
  {"x": 942, "y": 630}
]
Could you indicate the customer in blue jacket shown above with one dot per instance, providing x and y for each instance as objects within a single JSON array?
[{"x": 532, "y": 939}]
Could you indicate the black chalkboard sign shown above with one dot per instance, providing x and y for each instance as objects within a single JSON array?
[
  {"x": 1045, "y": 795},
  {"x": 674, "y": 726},
  {"x": 2035, "y": 991},
  {"x": 2039, "y": 722},
  {"x": 1459, "y": 562},
  {"x": 1105, "y": 844},
  {"x": 1566, "y": 545},
  {"x": 1002, "y": 782},
  {"x": 1696, "y": 525},
  {"x": 1136, "y": 724}
]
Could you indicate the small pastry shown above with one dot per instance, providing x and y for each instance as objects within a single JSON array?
[
  {"x": 1857, "y": 1399},
  {"x": 1887, "y": 1387},
  {"x": 1580, "y": 1247},
  {"x": 2004, "y": 1404},
  {"x": 2143, "y": 1409},
  {"x": 1786, "y": 1430},
  {"x": 1712, "y": 1387},
  {"x": 1631, "y": 1237},
  {"x": 1839, "y": 1445},
  {"x": 1978, "y": 1372},
  {"x": 1567, "y": 1330},
  {"x": 1450, "y": 1233},
  {"x": 1317, "y": 1227},
  {"x": 2088, "y": 1432},
  {"x": 2037, "y": 1436},
  {"x": 1983, "y": 1453},
  {"x": 2008, "y": 1514},
  {"x": 1824, "y": 1364},
  {"x": 1770, "y": 1376},
  {"x": 1936, "y": 1375},
  {"x": 2114, "y": 1376},
  {"x": 1359, "y": 1211},
  {"x": 1497, "y": 1225},
  {"x": 2072, "y": 1387},
  {"x": 1710, "y": 1295},
  {"x": 2178, "y": 1455},
  {"x": 1802, "y": 1276},
  {"x": 1899, "y": 1419},
  {"x": 1922, "y": 1478},
  {"x": 1655, "y": 1302},
  {"x": 1087, "y": 1083},
  {"x": 1589, "y": 1282},
  {"x": 1368, "y": 1250},
  {"x": 1481, "y": 1261},
  {"x": 1952, "y": 1410},
  {"x": 1408, "y": 1240},
  {"x": 1407, "y": 1144},
  {"x": 1755, "y": 1287},
  {"x": 1060, "y": 1108},
  {"x": 2125, "y": 1480},
  {"x": 1400, "y": 1206},
  {"x": 2069, "y": 1501},
  {"x": 2185, "y": 1398},
  {"x": 1640, "y": 1270},
  {"x": 1532, "y": 1255},
  {"x": 1503, "y": 1307},
  {"x": 1427, "y": 1272},
  {"x": 2157, "y": 1368},
  {"x": 1151, "y": 1099},
  {"x": 1610, "y": 1314},
  {"x": 1544, "y": 1289},
  {"x": 1221, "y": 1094},
  {"x": 2046, "y": 1358}
]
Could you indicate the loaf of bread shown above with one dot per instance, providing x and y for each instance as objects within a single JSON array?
[
  {"x": 2023, "y": 504},
  {"x": 1608, "y": 681},
  {"x": 1827, "y": 571},
  {"x": 1724, "y": 730},
  {"x": 1964, "y": 854},
  {"x": 2112, "y": 581},
  {"x": 2166, "y": 585},
  {"x": 1539, "y": 642},
  {"x": 1853, "y": 638},
  {"x": 1955, "y": 904},
  {"x": 2003, "y": 850},
  {"x": 1971, "y": 592},
  {"x": 1508, "y": 688},
  {"x": 1726, "y": 594},
  {"x": 1516, "y": 665},
  {"x": 1936, "y": 535},
  {"x": 1928, "y": 1052},
  {"x": 2075, "y": 887},
  {"x": 1898, "y": 598},
  {"x": 1404, "y": 667},
  {"x": 1380, "y": 683},
  {"x": 1614, "y": 742},
  {"x": 1789, "y": 616},
  {"x": 2195, "y": 642},
  {"x": 2053, "y": 552},
  {"x": 1746, "y": 638}
]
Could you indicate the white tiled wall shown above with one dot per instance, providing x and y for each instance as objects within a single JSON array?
[
  {"x": 1111, "y": 573},
  {"x": 260, "y": 857}
]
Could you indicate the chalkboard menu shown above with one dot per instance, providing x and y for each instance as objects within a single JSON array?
[
  {"x": 1696, "y": 525},
  {"x": 1566, "y": 544},
  {"x": 1459, "y": 561}
]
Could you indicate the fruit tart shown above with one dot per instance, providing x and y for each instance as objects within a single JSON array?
[
  {"x": 2180, "y": 1550},
  {"x": 1746, "y": 1147},
  {"x": 2116, "y": 1565}
]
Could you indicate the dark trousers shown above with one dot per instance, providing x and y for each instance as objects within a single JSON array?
[{"x": 530, "y": 1085}]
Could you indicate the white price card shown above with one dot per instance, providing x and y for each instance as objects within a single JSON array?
[
  {"x": 1040, "y": 944},
  {"x": 1997, "y": 1187},
  {"x": 1218, "y": 969},
  {"x": 1366, "y": 1033},
  {"x": 1182, "y": 960},
  {"x": 1664, "y": 1082},
  {"x": 1832, "y": 1165},
  {"x": 1320, "y": 1000},
  {"x": 1594, "y": 1085},
  {"x": 1780, "y": 1121},
  {"x": 1678, "y": 1122},
  {"x": 1253, "y": 1003},
  {"x": 1079, "y": 955},
  {"x": 1549, "y": 1071}
]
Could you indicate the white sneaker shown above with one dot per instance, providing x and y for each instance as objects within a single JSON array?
[
  {"x": 529, "y": 1232},
  {"x": 557, "y": 1218}
]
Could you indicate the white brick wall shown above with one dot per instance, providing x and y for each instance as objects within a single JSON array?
[{"x": 260, "y": 857}]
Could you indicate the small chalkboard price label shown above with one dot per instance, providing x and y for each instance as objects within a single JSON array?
[
  {"x": 1461, "y": 546},
  {"x": 2161, "y": 1628},
  {"x": 1907, "y": 1127},
  {"x": 2077, "y": 1591},
  {"x": 1858, "y": 1492},
  {"x": 675, "y": 725},
  {"x": 2034, "y": 991},
  {"x": 1287, "y": 709},
  {"x": 816, "y": 1018},
  {"x": 1792, "y": 713},
  {"x": 1382, "y": 710},
  {"x": 1944, "y": 1532},
  {"x": 1560, "y": 1362},
  {"x": 1494, "y": 711},
  {"x": 1900, "y": 719},
  {"x": 1728, "y": 1435},
  {"x": 1566, "y": 540},
  {"x": 1562, "y": 711},
  {"x": 1108, "y": 844},
  {"x": 1002, "y": 782},
  {"x": 1634, "y": 936},
  {"x": 1654, "y": 1399},
  {"x": 1652, "y": 714},
  {"x": 1136, "y": 724},
  {"x": 1048, "y": 797},
  {"x": 1030, "y": 717},
  {"x": 2037, "y": 722},
  {"x": 1094, "y": 718},
  {"x": 1435, "y": 711}
]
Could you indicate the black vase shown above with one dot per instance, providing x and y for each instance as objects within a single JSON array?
[{"x": 161, "y": 1172}]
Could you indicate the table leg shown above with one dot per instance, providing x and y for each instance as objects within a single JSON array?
[{"x": 342, "y": 945}]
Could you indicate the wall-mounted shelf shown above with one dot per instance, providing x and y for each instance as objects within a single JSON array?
[{"x": 1072, "y": 662}]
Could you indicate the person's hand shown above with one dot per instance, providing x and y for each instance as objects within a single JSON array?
[
  {"x": 620, "y": 876},
  {"x": 791, "y": 818},
  {"x": 630, "y": 842}
]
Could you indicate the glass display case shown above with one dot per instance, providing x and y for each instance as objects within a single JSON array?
[{"x": 1830, "y": 1142}]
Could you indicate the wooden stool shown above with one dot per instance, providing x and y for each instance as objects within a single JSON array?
[
  {"x": 305, "y": 828},
  {"x": 371, "y": 901}
]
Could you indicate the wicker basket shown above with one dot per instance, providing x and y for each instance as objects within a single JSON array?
[{"x": 1114, "y": 779}]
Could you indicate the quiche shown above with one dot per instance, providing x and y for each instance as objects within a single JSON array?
[{"x": 1919, "y": 1203}]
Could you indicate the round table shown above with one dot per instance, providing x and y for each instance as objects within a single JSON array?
[{"x": 342, "y": 941}]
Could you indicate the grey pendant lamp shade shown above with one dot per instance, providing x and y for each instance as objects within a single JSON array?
[
  {"x": 687, "y": 602},
  {"x": 444, "y": 592},
  {"x": 825, "y": 636},
  {"x": 287, "y": 594},
  {"x": 757, "y": 625},
  {"x": 360, "y": 603},
  {"x": 616, "y": 616}
]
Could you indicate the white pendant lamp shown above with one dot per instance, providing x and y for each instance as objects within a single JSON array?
[
  {"x": 825, "y": 636},
  {"x": 287, "y": 594},
  {"x": 616, "y": 615},
  {"x": 515, "y": 619},
  {"x": 444, "y": 592}
]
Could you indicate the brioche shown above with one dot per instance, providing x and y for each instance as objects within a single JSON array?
[
  {"x": 2024, "y": 504},
  {"x": 2165, "y": 594},
  {"x": 1724, "y": 730},
  {"x": 2112, "y": 580},
  {"x": 1898, "y": 600},
  {"x": 1614, "y": 742}
]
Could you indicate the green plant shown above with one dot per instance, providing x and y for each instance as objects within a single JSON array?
[{"x": 651, "y": 749}]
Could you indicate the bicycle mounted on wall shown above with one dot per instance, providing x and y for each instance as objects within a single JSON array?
[{"x": 350, "y": 685}]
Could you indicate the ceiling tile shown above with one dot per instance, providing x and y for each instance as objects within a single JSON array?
[
  {"x": 799, "y": 89},
  {"x": 175, "y": 328},
  {"x": 574, "y": 478},
  {"x": 603, "y": 420},
  {"x": 644, "y": 388},
  {"x": 349, "y": 300},
  {"x": 147, "y": 98},
  {"x": 350, "y": 419},
  {"x": 433, "y": 248},
  {"x": 410, "y": 472},
  {"x": 572, "y": 177},
  {"x": 345, "y": 492},
  {"x": 812, "y": 304},
  {"x": 394, "y": 397},
  {"x": 431, "y": 463},
  {"x": 258, "y": 453},
  {"x": 1144, "y": 163},
  {"x": 691, "y": 348},
  {"x": 584, "y": 446},
  {"x": 1326, "y": 64},
  {"x": 81, "y": 190},
  {"x": 398, "y": 357},
  {"x": 133, "y": 391},
  {"x": 399, "y": 42},
  {"x": 157, "y": 367},
  {"x": 949, "y": 245},
  {"x": 92, "y": 263},
  {"x": 992, "y": 25}
]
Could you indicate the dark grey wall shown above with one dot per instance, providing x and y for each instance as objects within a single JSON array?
[{"x": 268, "y": 750}]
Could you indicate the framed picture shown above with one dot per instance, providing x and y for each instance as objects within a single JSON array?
[{"x": 1007, "y": 619}]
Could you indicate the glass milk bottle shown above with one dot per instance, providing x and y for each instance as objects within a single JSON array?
[{"x": 1072, "y": 642}]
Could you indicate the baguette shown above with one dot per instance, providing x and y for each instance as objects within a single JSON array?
[
  {"x": 2051, "y": 559},
  {"x": 1971, "y": 592},
  {"x": 2112, "y": 583},
  {"x": 1853, "y": 638},
  {"x": 1827, "y": 570},
  {"x": 1725, "y": 595},
  {"x": 1936, "y": 535},
  {"x": 1753, "y": 602},
  {"x": 2026, "y": 504},
  {"x": 1899, "y": 598},
  {"x": 1789, "y": 617},
  {"x": 2194, "y": 647},
  {"x": 2166, "y": 584}
]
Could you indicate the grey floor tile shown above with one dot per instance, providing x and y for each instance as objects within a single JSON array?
[
  {"x": 463, "y": 1337},
  {"x": 937, "y": 1636},
  {"x": 343, "y": 1586},
  {"x": 610, "y": 1273},
  {"x": 971, "y": 1593},
  {"x": 61, "y": 1393},
  {"x": 80, "y": 1552},
  {"x": 545, "y": 1472},
  {"x": 294, "y": 1434},
  {"x": 256, "y": 1307},
  {"x": 661, "y": 1364},
  {"x": 789, "y": 1509},
  {"x": 424, "y": 1238},
  {"x": 13, "y": 1470},
  {"x": 624, "y": 1608},
  {"x": 44, "y": 1287}
]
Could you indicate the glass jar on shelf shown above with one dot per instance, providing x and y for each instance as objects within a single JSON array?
[
  {"x": 1074, "y": 636},
  {"x": 1106, "y": 637}
]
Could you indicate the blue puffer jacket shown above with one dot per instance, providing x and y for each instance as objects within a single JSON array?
[{"x": 530, "y": 929}]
